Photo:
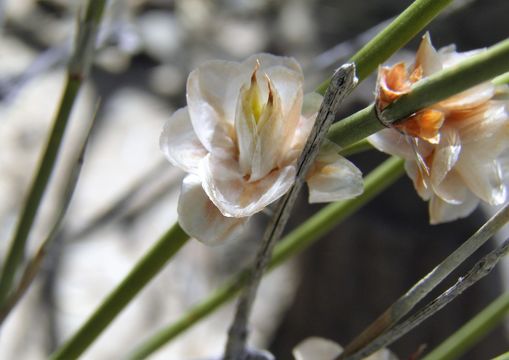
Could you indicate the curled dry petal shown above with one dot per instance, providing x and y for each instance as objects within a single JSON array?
[
  {"x": 453, "y": 148},
  {"x": 240, "y": 136}
]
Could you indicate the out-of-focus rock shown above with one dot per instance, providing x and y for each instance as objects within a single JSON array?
[
  {"x": 242, "y": 38},
  {"x": 161, "y": 34},
  {"x": 167, "y": 80},
  {"x": 15, "y": 57}
]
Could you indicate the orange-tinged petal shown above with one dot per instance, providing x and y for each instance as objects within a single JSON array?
[
  {"x": 392, "y": 83},
  {"x": 424, "y": 124}
]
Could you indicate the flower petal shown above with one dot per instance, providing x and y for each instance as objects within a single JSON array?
[
  {"x": 468, "y": 99},
  {"x": 268, "y": 61},
  {"x": 441, "y": 211},
  {"x": 382, "y": 354},
  {"x": 316, "y": 348},
  {"x": 212, "y": 93},
  {"x": 179, "y": 142},
  {"x": 489, "y": 122},
  {"x": 310, "y": 107},
  {"x": 420, "y": 180},
  {"x": 392, "y": 142},
  {"x": 311, "y": 104},
  {"x": 427, "y": 57},
  {"x": 392, "y": 82},
  {"x": 233, "y": 195},
  {"x": 445, "y": 156},
  {"x": 201, "y": 219},
  {"x": 424, "y": 124},
  {"x": 483, "y": 176},
  {"x": 333, "y": 177}
]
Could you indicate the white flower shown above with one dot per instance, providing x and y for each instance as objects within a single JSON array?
[
  {"x": 453, "y": 149},
  {"x": 316, "y": 348},
  {"x": 239, "y": 137}
]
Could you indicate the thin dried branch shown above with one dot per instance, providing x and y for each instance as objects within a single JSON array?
[
  {"x": 408, "y": 301},
  {"x": 480, "y": 270},
  {"x": 342, "y": 83}
]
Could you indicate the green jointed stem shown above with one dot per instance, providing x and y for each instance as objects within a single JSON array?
[
  {"x": 146, "y": 269},
  {"x": 472, "y": 71},
  {"x": 406, "y": 26},
  {"x": 473, "y": 331},
  {"x": 295, "y": 242}
]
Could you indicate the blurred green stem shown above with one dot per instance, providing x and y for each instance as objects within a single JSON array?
[
  {"x": 77, "y": 71},
  {"x": 405, "y": 27},
  {"x": 146, "y": 269},
  {"x": 473, "y": 331},
  {"x": 34, "y": 264},
  {"x": 295, "y": 242},
  {"x": 470, "y": 72},
  {"x": 356, "y": 148},
  {"x": 504, "y": 356}
]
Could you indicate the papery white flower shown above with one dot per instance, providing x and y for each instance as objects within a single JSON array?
[
  {"x": 453, "y": 149},
  {"x": 316, "y": 348},
  {"x": 239, "y": 137}
]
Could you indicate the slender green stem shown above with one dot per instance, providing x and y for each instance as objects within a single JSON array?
[
  {"x": 355, "y": 127},
  {"x": 34, "y": 264},
  {"x": 157, "y": 257},
  {"x": 470, "y": 72},
  {"x": 473, "y": 331},
  {"x": 18, "y": 244},
  {"x": 504, "y": 356},
  {"x": 295, "y": 242},
  {"x": 77, "y": 71},
  {"x": 502, "y": 79},
  {"x": 356, "y": 148},
  {"x": 406, "y": 26}
]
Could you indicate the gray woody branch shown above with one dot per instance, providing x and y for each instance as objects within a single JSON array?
[
  {"x": 480, "y": 270},
  {"x": 342, "y": 83}
]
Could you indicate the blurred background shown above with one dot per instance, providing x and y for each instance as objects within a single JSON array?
[{"x": 126, "y": 195}]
